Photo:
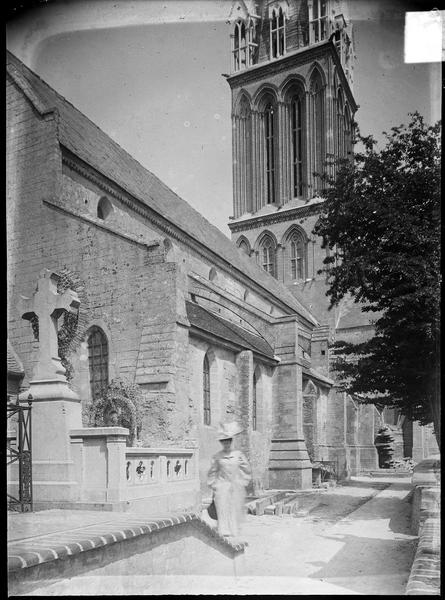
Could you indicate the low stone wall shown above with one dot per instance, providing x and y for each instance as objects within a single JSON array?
[
  {"x": 425, "y": 522},
  {"x": 180, "y": 545}
]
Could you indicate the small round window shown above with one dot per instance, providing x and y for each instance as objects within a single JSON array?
[{"x": 104, "y": 208}]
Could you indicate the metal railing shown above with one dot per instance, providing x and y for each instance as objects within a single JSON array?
[{"x": 19, "y": 451}]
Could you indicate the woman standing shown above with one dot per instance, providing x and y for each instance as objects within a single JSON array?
[{"x": 228, "y": 476}]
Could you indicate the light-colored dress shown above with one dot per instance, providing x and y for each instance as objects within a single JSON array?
[{"x": 228, "y": 476}]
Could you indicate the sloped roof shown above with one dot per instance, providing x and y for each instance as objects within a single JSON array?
[
  {"x": 211, "y": 323},
  {"x": 84, "y": 139},
  {"x": 15, "y": 366}
]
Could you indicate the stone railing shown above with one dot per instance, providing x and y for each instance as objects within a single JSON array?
[
  {"x": 150, "y": 466},
  {"x": 425, "y": 522},
  {"x": 155, "y": 480}
]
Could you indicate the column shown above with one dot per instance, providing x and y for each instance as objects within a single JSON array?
[
  {"x": 255, "y": 174},
  {"x": 284, "y": 158},
  {"x": 235, "y": 167},
  {"x": 309, "y": 145}
]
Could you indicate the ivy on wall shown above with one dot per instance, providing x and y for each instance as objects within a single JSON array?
[{"x": 123, "y": 398}]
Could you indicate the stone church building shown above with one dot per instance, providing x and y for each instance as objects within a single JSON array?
[{"x": 209, "y": 329}]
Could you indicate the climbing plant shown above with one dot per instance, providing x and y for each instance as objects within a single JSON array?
[
  {"x": 68, "y": 333},
  {"x": 123, "y": 397}
]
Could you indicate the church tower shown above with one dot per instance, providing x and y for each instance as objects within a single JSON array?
[{"x": 292, "y": 117}]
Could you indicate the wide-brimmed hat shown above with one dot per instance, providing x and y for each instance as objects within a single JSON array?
[{"x": 228, "y": 430}]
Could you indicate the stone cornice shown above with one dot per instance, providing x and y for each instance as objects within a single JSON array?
[
  {"x": 277, "y": 217},
  {"x": 296, "y": 58}
]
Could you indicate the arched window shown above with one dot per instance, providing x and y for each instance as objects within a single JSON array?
[
  {"x": 297, "y": 258},
  {"x": 318, "y": 129},
  {"x": 97, "y": 361},
  {"x": 277, "y": 33},
  {"x": 244, "y": 46},
  {"x": 348, "y": 132},
  {"x": 318, "y": 21},
  {"x": 340, "y": 125},
  {"x": 268, "y": 255},
  {"x": 269, "y": 131},
  {"x": 254, "y": 401},
  {"x": 297, "y": 145},
  {"x": 104, "y": 208},
  {"x": 206, "y": 390}
]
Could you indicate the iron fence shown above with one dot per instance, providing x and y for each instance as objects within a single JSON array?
[{"x": 19, "y": 450}]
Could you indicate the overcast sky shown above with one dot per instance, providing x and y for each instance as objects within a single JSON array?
[{"x": 149, "y": 74}]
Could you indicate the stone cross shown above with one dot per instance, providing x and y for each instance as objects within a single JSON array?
[{"x": 48, "y": 306}]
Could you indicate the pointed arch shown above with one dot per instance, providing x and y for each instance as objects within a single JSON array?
[
  {"x": 317, "y": 126},
  {"x": 291, "y": 85},
  {"x": 243, "y": 244},
  {"x": 266, "y": 248},
  {"x": 267, "y": 92},
  {"x": 243, "y": 103},
  {"x": 315, "y": 70}
]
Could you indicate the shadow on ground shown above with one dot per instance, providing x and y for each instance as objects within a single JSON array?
[{"x": 363, "y": 557}]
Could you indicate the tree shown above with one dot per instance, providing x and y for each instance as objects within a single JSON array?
[{"x": 381, "y": 219}]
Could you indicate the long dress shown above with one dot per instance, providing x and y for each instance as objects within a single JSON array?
[{"x": 228, "y": 476}]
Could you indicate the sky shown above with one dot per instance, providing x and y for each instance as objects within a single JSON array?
[{"x": 149, "y": 74}]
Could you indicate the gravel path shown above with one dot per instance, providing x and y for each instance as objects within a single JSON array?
[{"x": 355, "y": 540}]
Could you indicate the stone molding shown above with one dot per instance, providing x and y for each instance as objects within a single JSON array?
[{"x": 255, "y": 222}]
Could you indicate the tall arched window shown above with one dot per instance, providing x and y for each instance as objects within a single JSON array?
[
  {"x": 318, "y": 129},
  {"x": 297, "y": 145},
  {"x": 254, "y": 401},
  {"x": 97, "y": 361},
  {"x": 269, "y": 131},
  {"x": 268, "y": 255},
  {"x": 244, "y": 46},
  {"x": 277, "y": 33},
  {"x": 206, "y": 390},
  {"x": 297, "y": 258},
  {"x": 318, "y": 21},
  {"x": 340, "y": 125},
  {"x": 348, "y": 132},
  {"x": 295, "y": 243}
]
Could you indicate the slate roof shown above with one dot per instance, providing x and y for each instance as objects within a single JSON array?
[
  {"x": 15, "y": 366},
  {"x": 84, "y": 139},
  {"x": 208, "y": 321}
]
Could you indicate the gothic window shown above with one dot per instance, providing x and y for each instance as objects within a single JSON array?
[
  {"x": 268, "y": 255},
  {"x": 254, "y": 401},
  {"x": 340, "y": 125},
  {"x": 318, "y": 129},
  {"x": 98, "y": 361},
  {"x": 206, "y": 391},
  {"x": 297, "y": 146},
  {"x": 297, "y": 259},
  {"x": 319, "y": 21},
  {"x": 348, "y": 132},
  {"x": 269, "y": 130},
  {"x": 277, "y": 33},
  {"x": 244, "y": 46}
]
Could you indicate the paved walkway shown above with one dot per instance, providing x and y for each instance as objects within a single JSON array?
[{"x": 357, "y": 541}]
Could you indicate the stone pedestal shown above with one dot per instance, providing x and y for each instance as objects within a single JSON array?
[
  {"x": 56, "y": 410},
  {"x": 289, "y": 465}
]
